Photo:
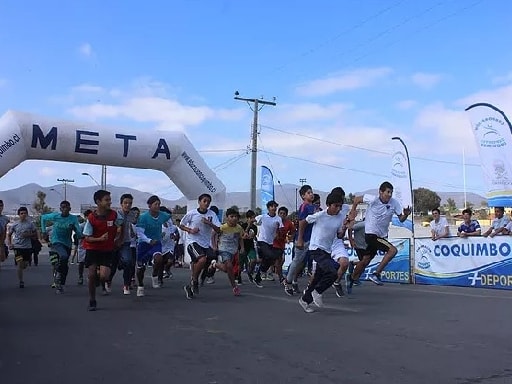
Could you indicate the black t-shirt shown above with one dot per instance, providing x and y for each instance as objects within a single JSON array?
[{"x": 249, "y": 243}]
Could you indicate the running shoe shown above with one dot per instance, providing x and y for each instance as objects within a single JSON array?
[
  {"x": 339, "y": 289},
  {"x": 375, "y": 278},
  {"x": 236, "y": 290},
  {"x": 92, "y": 305},
  {"x": 305, "y": 306},
  {"x": 188, "y": 292},
  {"x": 317, "y": 299}
]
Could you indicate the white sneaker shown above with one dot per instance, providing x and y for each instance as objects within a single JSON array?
[
  {"x": 108, "y": 288},
  {"x": 317, "y": 299},
  {"x": 305, "y": 306},
  {"x": 140, "y": 291},
  {"x": 126, "y": 290},
  {"x": 154, "y": 280},
  {"x": 210, "y": 280}
]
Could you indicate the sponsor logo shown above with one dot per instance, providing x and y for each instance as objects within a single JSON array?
[
  {"x": 424, "y": 252},
  {"x": 488, "y": 131}
]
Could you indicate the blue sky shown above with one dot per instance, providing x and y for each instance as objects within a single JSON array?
[{"x": 347, "y": 75}]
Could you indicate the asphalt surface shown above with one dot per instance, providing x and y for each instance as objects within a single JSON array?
[{"x": 390, "y": 334}]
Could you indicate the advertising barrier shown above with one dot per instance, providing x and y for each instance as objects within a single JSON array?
[
  {"x": 468, "y": 262},
  {"x": 397, "y": 271}
]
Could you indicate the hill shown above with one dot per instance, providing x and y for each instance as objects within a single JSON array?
[{"x": 285, "y": 194}]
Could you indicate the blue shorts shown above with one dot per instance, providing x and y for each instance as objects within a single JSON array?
[
  {"x": 146, "y": 252},
  {"x": 225, "y": 256}
]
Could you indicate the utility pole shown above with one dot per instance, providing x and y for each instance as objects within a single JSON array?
[
  {"x": 104, "y": 177},
  {"x": 301, "y": 181},
  {"x": 258, "y": 104},
  {"x": 65, "y": 182}
]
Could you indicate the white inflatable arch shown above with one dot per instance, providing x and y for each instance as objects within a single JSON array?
[{"x": 26, "y": 136}]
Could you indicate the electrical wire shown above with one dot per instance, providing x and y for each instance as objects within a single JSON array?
[{"x": 362, "y": 148}]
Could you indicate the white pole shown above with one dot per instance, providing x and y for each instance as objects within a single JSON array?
[{"x": 464, "y": 176}]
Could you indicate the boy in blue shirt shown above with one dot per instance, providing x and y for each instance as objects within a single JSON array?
[{"x": 62, "y": 239}]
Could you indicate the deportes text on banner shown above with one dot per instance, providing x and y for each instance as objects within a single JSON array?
[
  {"x": 469, "y": 262},
  {"x": 267, "y": 187},
  {"x": 493, "y": 134}
]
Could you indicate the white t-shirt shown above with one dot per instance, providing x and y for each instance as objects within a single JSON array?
[
  {"x": 168, "y": 242},
  {"x": 268, "y": 227},
  {"x": 339, "y": 249},
  {"x": 325, "y": 228},
  {"x": 509, "y": 226},
  {"x": 193, "y": 219},
  {"x": 379, "y": 215},
  {"x": 440, "y": 226},
  {"x": 500, "y": 223}
]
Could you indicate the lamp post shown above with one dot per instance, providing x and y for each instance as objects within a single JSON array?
[
  {"x": 93, "y": 179},
  {"x": 65, "y": 182}
]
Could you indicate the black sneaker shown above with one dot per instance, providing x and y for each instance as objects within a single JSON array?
[
  {"x": 22, "y": 284},
  {"x": 295, "y": 287},
  {"x": 288, "y": 289},
  {"x": 257, "y": 281},
  {"x": 339, "y": 289},
  {"x": 188, "y": 291},
  {"x": 195, "y": 288},
  {"x": 249, "y": 276},
  {"x": 92, "y": 305},
  {"x": 350, "y": 284},
  {"x": 81, "y": 280}
]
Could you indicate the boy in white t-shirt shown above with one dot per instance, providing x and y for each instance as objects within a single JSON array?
[
  {"x": 198, "y": 224},
  {"x": 379, "y": 213},
  {"x": 439, "y": 226}
]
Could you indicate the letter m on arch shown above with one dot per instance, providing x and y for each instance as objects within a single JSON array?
[{"x": 44, "y": 141}]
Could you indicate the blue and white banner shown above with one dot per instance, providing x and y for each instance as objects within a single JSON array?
[
  {"x": 397, "y": 271},
  {"x": 267, "y": 188},
  {"x": 401, "y": 180},
  {"x": 469, "y": 262},
  {"x": 493, "y": 134}
]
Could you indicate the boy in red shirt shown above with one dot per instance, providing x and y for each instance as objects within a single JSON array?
[
  {"x": 101, "y": 233},
  {"x": 283, "y": 235}
]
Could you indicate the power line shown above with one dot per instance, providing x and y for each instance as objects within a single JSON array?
[
  {"x": 361, "y": 148},
  {"x": 337, "y": 36},
  {"x": 385, "y": 176}
]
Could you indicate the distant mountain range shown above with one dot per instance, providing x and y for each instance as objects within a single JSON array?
[{"x": 285, "y": 194}]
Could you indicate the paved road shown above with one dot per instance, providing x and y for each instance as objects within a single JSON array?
[{"x": 390, "y": 334}]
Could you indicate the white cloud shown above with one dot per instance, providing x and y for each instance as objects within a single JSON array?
[
  {"x": 85, "y": 50},
  {"x": 47, "y": 171},
  {"x": 145, "y": 101},
  {"x": 345, "y": 81},
  {"x": 406, "y": 104},
  {"x": 306, "y": 112},
  {"x": 426, "y": 80},
  {"x": 505, "y": 79},
  {"x": 500, "y": 97}
]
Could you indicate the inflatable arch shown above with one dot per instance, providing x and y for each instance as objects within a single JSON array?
[{"x": 26, "y": 136}]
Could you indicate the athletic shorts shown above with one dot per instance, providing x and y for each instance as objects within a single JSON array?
[
  {"x": 375, "y": 243},
  {"x": 146, "y": 252},
  {"x": 22, "y": 254},
  {"x": 268, "y": 252},
  {"x": 226, "y": 256},
  {"x": 102, "y": 258},
  {"x": 195, "y": 252}
]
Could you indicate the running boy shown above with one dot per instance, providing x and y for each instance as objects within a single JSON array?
[
  {"x": 230, "y": 241},
  {"x": 198, "y": 224}
]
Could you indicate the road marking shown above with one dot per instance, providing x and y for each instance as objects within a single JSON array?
[{"x": 296, "y": 302}]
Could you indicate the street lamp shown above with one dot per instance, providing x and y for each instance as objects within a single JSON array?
[
  {"x": 65, "y": 182},
  {"x": 93, "y": 179},
  {"x": 54, "y": 190}
]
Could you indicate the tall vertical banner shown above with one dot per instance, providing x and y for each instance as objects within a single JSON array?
[
  {"x": 267, "y": 187},
  {"x": 493, "y": 135},
  {"x": 401, "y": 180}
]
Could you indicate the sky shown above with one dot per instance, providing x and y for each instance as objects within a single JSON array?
[{"x": 347, "y": 77}]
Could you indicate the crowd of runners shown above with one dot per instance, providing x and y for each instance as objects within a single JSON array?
[{"x": 105, "y": 241}]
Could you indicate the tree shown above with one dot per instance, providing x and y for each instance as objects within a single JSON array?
[
  {"x": 350, "y": 198},
  {"x": 425, "y": 200},
  {"x": 450, "y": 205},
  {"x": 39, "y": 205}
]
